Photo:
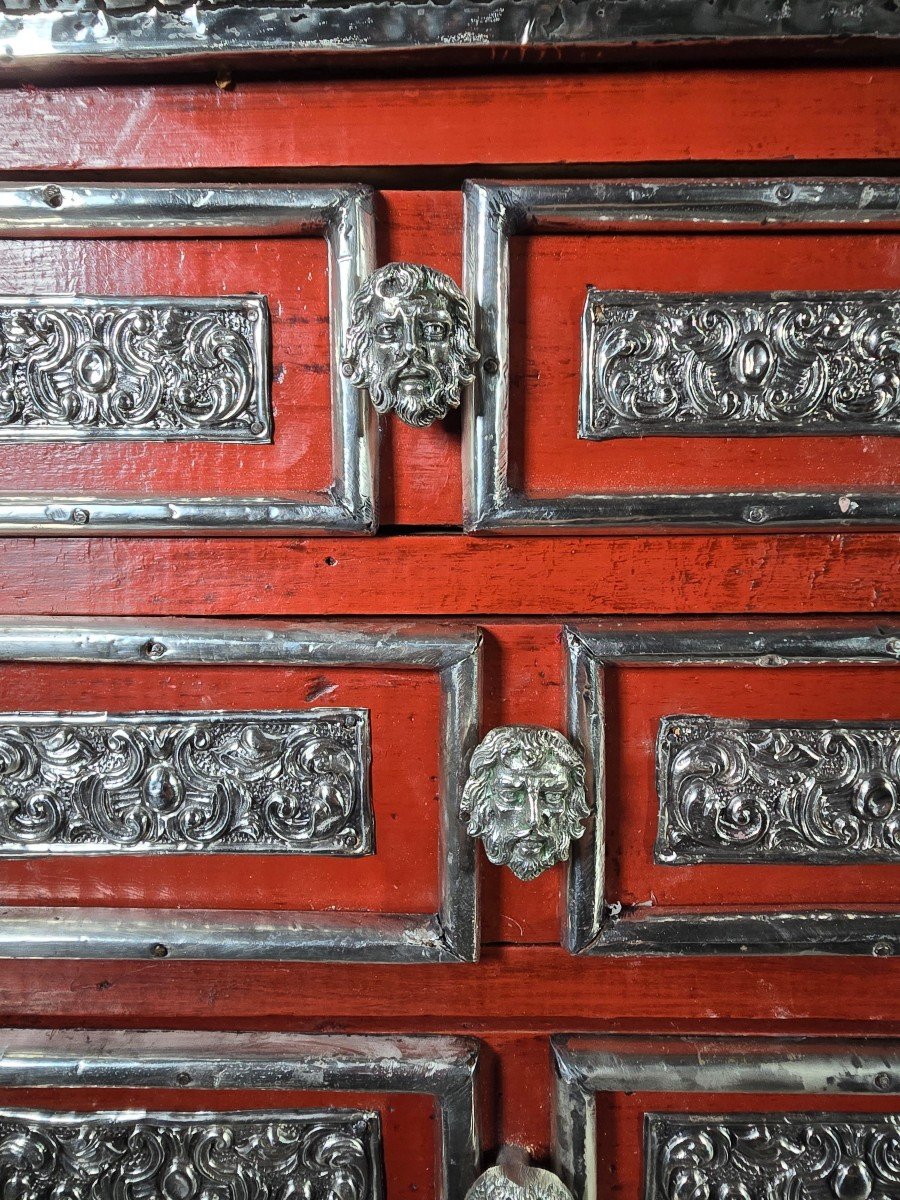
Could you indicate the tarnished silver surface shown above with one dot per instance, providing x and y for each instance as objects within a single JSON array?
[
  {"x": 451, "y": 934},
  {"x": 343, "y": 216},
  {"x": 756, "y": 791},
  {"x": 332, "y": 1154},
  {"x": 807, "y": 363},
  {"x": 159, "y": 783},
  {"x": 757, "y": 1156},
  {"x": 410, "y": 342},
  {"x": 514, "y": 1178},
  {"x": 445, "y": 1068},
  {"x": 63, "y": 35},
  {"x": 495, "y": 212},
  {"x": 75, "y": 368},
  {"x": 524, "y": 798},
  {"x": 805, "y": 1067},
  {"x": 598, "y": 923}
]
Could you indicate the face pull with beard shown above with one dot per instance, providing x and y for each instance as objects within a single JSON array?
[
  {"x": 410, "y": 342},
  {"x": 525, "y": 797}
]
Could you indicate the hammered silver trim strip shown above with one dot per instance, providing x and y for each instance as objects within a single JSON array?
[
  {"x": 319, "y": 1154},
  {"x": 451, "y": 934},
  {"x": 758, "y": 1155},
  {"x": 684, "y": 365},
  {"x": 762, "y": 792},
  {"x": 597, "y": 923},
  {"x": 442, "y": 1067},
  {"x": 201, "y": 782},
  {"x": 86, "y": 368},
  {"x": 805, "y": 1067},
  {"x": 497, "y": 211},
  {"x": 344, "y": 217}
]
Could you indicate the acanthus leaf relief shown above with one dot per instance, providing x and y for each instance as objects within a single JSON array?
[
  {"x": 185, "y": 782},
  {"x": 756, "y": 791},
  {"x": 740, "y": 365}
]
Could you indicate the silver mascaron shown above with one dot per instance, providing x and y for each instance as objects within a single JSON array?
[
  {"x": 327, "y": 1155},
  {"x": 514, "y": 1178},
  {"x": 410, "y": 342},
  {"x": 166, "y": 782},
  {"x": 73, "y": 368},
  {"x": 525, "y": 797},
  {"x": 773, "y": 1156},
  {"x": 755, "y": 791},
  {"x": 742, "y": 364}
]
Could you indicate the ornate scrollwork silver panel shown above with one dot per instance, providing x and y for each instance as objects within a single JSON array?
[
  {"x": 410, "y": 342},
  {"x": 773, "y": 1156},
  {"x": 740, "y": 365},
  {"x": 318, "y": 1155},
  {"x": 525, "y": 798},
  {"x": 154, "y": 369},
  {"x": 755, "y": 791},
  {"x": 514, "y": 1178},
  {"x": 264, "y": 782}
]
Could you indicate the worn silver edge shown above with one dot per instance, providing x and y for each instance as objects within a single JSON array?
[
  {"x": 496, "y": 211},
  {"x": 344, "y": 216},
  {"x": 452, "y": 934},
  {"x": 595, "y": 923}
]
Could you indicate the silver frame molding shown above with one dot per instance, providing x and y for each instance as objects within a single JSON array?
[
  {"x": 343, "y": 216},
  {"x": 597, "y": 923},
  {"x": 586, "y": 1065},
  {"x": 452, "y": 934},
  {"x": 497, "y": 211},
  {"x": 442, "y": 1067}
]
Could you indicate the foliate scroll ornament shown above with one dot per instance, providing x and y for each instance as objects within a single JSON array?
[
  {"x": 525, "y": 798},
  {"x": 741, "y": 365},
  {"x": 328, "y": 1155},
  {"x": 168, "y": 782},
  {"x": 514, "y": 1178},
  {"x": 755, "y": 791},
  {"x": 774, "y": 1156},
  {"x": 410, "y": 342},
  {"x": 74, "y": 368}
]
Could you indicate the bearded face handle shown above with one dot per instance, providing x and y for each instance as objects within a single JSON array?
[
  {"x": 525, "y": 798},
  {"x": 410, "y": 342}
]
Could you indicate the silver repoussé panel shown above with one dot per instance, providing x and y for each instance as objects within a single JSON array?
[
  {"x": 161, "y": 783},
  {"x": 598, "y": 923},
  {"x": 805, "y": 363},
  {"x": 756, "y": 1156},
  {"x": 343, "y": 216},
  {"x": 762, "y": 792},
  {"x": 441, "y": 1067},
  {"x": 329, "y": 1155},
  {"x": 450, "y": 934},
  {"x": 495, "y": 212}
]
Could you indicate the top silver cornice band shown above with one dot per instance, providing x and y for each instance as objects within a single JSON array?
[{"x": 59, "y": 34}]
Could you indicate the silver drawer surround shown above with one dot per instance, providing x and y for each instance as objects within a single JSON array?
[
  {"x": 597, "y": 923},
  {"x": 452, "y": 934},
  {"x": 137, "y": 368},
  {"x": 751, "y": 364},
  {"x": 498, "y": 211},
  {"x": 768, "y": 792},
  {"x": 441, "y": 1067},
  {"x": 836, "y": 1154},
  {"x": 321, "y": 1154},
  {"x": 343, "y": 216},
  {"x": 202, "y": 782},
  {"x": 57, "y": 36},
  {"x": 803, "y": 1067}
]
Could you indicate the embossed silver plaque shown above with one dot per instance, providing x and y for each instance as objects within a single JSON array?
[
  {"x": 263, "y": 782},
  {"x": 755, "y": 791},
  {"x": 741, "y": 365},
  {"x": 772, "y": 1156},
  {"x": 150, "y": 368},
  {"x": 331, "y": 1154}
]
